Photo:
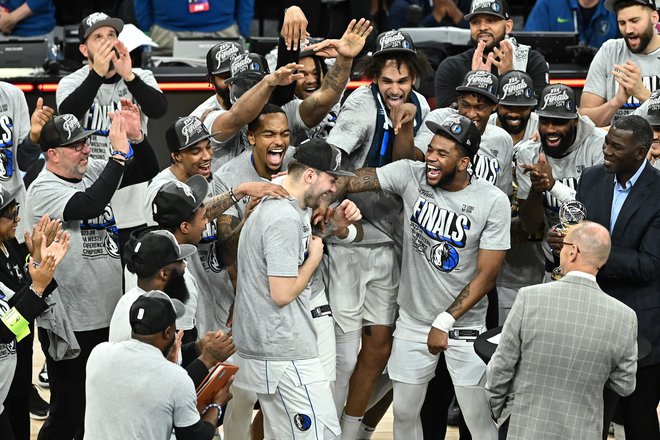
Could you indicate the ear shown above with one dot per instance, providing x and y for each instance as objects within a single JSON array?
[
  {"x": 83, "y": 50},
  {"x": 175, "y": 157},
  {"x": 509, "y": 26},
  {"x": 163, "y": 274},
  {"x": 655, "y": 17},
  {"x": 51, "y": 155},
  {"x": 463, "y": 163},
  {"x": 251, "y": 138},
  {"x": 169, "y": 330},
  {"x": 308, "y": 175}
]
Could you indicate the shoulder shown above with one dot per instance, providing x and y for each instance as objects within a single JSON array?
[
  {"x": 10, "y": 89},
  {"x": 528, "y": 151},
  {"x": 490, "y": 192},
  {"x": 76, "y": 76},
  {"x": 497, "y": 135},
  {"x": 360, "y": 96}
]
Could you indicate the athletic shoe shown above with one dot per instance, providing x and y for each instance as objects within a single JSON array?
[
  {"x": 42, "y": 378},
  {"x": 38, "y": 407}
]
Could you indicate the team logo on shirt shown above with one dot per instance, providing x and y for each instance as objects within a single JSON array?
[
  {"x": 6, "y": 145},
  {"x": 302, "y": 421},
  {"x": 486, "y": 168},
  {"x": 443, "y": 226},
  {"x": 100, "y": 236}
]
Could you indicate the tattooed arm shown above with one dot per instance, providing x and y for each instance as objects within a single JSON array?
[
  {"x": 216, "y": 205},
  {"x": 318, "y": 104},
  {"x": 489, "y": 263},
  {"x": 229, "y": 230}
]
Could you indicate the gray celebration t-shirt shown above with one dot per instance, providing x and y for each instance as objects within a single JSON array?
[
  {"x": 273, "y": 243},
  {"x": 443, "y": 233},
  {"x": 586, "y": 151},
  {"x": 89, "y": 277},
  {"x": 493, "y": 161},
  {"x": 600, "y": 80}
]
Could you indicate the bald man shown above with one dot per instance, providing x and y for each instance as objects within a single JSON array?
[{"x": 556, "y": 356}]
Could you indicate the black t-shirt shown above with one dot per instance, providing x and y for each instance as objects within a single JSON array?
[{"x": 452, "y": 70}]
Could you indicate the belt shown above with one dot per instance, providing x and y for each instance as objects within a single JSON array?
[
  {"x": 464, "y": 334},
  {"x": 323, "y": 310}
]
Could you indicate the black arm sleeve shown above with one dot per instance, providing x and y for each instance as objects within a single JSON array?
[
  {"x": 197, "y": 371},
  {"x": 188, "y": 353},
  {"x": 539, "y": 70},
  {"x": 28, "y": 305},
  {"x": 81, "y": 99},
  {"x": 447, "y": 78},
  {"x": 283, "y": 94},
  {"x": 142, "y": 166},
  {"x": 199, "y": 431},
  {"x": 27, "y": 154},
  {"x": 153, "y": 102},
  {"x": 91, "y": 202}
]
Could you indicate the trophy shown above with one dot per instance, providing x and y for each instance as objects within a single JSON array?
[{"x": 571, "y": 213}]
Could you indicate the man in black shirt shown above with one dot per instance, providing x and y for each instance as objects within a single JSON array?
[{"x": 489, "y": 24}]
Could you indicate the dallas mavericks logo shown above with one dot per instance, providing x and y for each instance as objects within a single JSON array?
[
  {"x": 212, "y": 260},
  {"x": 302, "y": 421},
  {"x": 444, "y": 257},
  {"x": 6, "y": 144},
  {"x": 100, "y": 236}
]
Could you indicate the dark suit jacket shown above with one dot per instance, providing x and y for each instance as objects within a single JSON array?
[{"x": 632, "y": 273}]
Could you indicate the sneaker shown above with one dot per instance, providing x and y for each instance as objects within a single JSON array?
[
  {"x": 454, "y": 414},
  {"x": 42, "y": 378},
  {"x": 38, "y": 407}
]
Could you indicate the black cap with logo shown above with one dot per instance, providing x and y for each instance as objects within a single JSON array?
[
  {"x": 394, "y": 42},
  {"x": 557, "y": 101},
  {"x": 152, "y": 312},
  {"x": 614, "y": 5},
  {"x": 248, "y": 66},
  {"x": 516, "y": 89},
  {"x": 481, "y": 82},
  {"x": 176, "y": 201},
  {"x": 653, "y": 109},
  {"x": 96, "y": 20},
  {"x": 498, "y": 8},
  {"x": 61, "y": 131},
  {"x": 220, "y": 56},
  {"x": 148, "y": 250},
  {"x": 185, "y": 132},
  {"x": 317, "y": 153},
  {"x": 459, "y": 128}
]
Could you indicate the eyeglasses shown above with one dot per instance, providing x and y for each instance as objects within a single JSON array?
[
  {"x": 11, "y": 215},
  {"x": 571, "y": 244},
  {"x": 78, "y": 146}
]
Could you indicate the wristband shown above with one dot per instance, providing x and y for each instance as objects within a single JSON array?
[
  {"x": 233, "y": 197},
  {"x": 350, "y": 236},
  {"x": 126, "y": 156},
  {"x": 138, "y": 140},
  {"x": 16, "y": 324},
  {"x": 444, "y": 322},
  {"x": 562, "y": 192},
  {"x": 213, "y": 405}
]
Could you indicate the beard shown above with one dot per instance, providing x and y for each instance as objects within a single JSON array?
[
  {"x": 644, "y": 40},
  {"x": 561, "y": 150},
  {"x": 223, "y": 93},
  {"x": 513, "y": 129},
  {"x": 447, "y": 177},
  {"x": 490, "y": 46},
  {"x": 167, "y": 349},
  {"x": 176, "y": 287}
]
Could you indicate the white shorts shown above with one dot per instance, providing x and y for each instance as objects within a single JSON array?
[
  {"x": 325, "y": 338},
  {"x": 411, "y": 362},
  {"x": 363, "y": 281},
  {"x": 301, "y": 407}
]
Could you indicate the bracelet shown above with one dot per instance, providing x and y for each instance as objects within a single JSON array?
[
  {"x": 35, "y": 292},
  {"x": 352, "y": 233},
  {"x": 119, "y": 160},
  {"x": 126, "y": 156},
  {"x": 444, "y": 322},
  {"x": 138, "y": 140},
  {"x": 213, "y": 405},
  {"x": 233, "y": 197}
]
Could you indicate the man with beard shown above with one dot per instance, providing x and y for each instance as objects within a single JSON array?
[
  {"x": 273, "y": 329},
  {"x": 489, "y": 25},
  {"x": 134, "y": 392},
  {"x": 515, "y": 107},
  {"x": 477, "y": 100},
  {"x": 453, "y": 248},
  {"x": 375, "y": 126},
  {"x": 104, "y": 85},
  {"x": 548, "y": 170},
  {"x": 624, "y": 71}
]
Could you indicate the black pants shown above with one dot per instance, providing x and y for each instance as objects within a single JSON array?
[
  {"x": 640, "y": 418},
  {"x": 17, "y": 404},
  {"x": 67, "y": 387}
]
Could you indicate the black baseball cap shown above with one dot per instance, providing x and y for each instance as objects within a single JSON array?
[
  {"x": 176, "y": 201},
  {"x": 557, "y": 101},
  {"x": 152, "y": 312},
  {"x": 498, "y": 8},
  {"x": 96, "y": 20},
  {"x": 185, "y": 132},
  {"x": 459, "y": 128},
  {"x": 653, "y": 109},
  {"x": 516, "y": 89},
  {"x": 394, "y": 42},
  {"x": 148, "y": 250},
  {"x": 220, "y": 56},
  {"x": 61, "y": 131},
  {"x": 248, "y": 66},
  {"x": 615, "y": 5},
  {"x": 6, "y": 196},
  {"x": 318, "y": 154},
  {"x": 481, "y": 82}
]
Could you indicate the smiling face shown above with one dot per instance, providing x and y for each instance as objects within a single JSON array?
[
  {"x": 8, "y": 221},
  {"x": 637, "y": 25},
  {"x": 321, "y": 184},
  {"x": 270, "y": 140},
  {"x": 557, "y": 135},
  {"x": 443, "y": 161},
  {"x": 395, "y": 84},
  {"x": 513, "y": 118},
  {"x": 476, "y": 108},
  {"x": 490, "y": 29},
  {"x": 622, "y": 153},
  {"x": 195, "y": 159},
  {"x": 69, "y": 163},
  {"x": 310, "y": 82}
]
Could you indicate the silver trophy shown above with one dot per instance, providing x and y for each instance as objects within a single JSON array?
[{"x": 571, "y": 213}]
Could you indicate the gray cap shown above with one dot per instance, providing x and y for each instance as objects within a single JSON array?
[
  {"x": 460, "y": 129},
  {"x": 557, "y": 101},
  {"x": 653, "y": 109}
]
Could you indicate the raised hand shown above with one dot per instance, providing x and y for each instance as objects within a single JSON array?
[
  {"x": 104, "y": 58},
  {"x": 540, "y": 175},
  {"x": 118, "y": 137},
  {"x": 345, "y": 214},
  {"x": 260, "y": 189},
  {"x": 478, "y": 62},
  {"x": 40, "y": 116},
  {"x": 402, "y": 114},
  {"x": 629, "y": 76},
  {"x": 130, "y": 115},
  {"x": 122, "y": 61},
  {"x": 294, "y": 27},
  {"x": 502, "y": 57},
  {"x": 350, "y": 44},
  {"x": 285, "y": 75}
]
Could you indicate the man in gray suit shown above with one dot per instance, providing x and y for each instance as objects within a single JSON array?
[{"x": 555, "y": 355}]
